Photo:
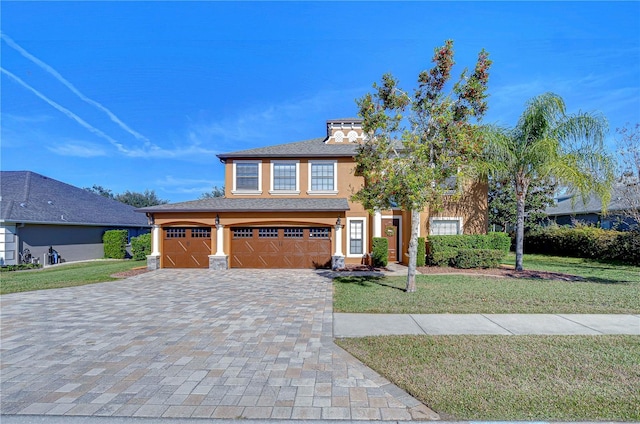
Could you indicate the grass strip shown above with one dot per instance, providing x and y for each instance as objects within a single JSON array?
[
  {"x": 566, "y": 378},
  {"x": 70, "y": 275},
  {"x": 608, "y": 288},
  {"x": 439, "y": 294}
]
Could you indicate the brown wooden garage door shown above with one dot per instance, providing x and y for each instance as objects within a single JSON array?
[
  {"x": 280, "y": 247},
  {"x": 187, "y": 247}
]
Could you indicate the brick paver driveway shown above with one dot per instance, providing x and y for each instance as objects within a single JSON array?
[{"x": 189, "y": 343}]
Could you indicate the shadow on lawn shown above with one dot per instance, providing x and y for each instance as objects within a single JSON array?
[{"x": 366, "y": 281}]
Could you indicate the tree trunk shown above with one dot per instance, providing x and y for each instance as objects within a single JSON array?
[
  {"x": 413, "y": 251},
  {"x": 521, "y": 192}
]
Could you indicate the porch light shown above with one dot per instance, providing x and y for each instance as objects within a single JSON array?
[
  {"x": 217, "y": 220},
  {"x": 339, "y": 222}
]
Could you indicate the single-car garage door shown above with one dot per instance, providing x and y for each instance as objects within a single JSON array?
[
  {"x": 274, "y": 247},
  {"x": 186, "y": 247}
]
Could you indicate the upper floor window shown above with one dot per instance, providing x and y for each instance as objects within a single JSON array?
[
  {"x": 323, "y": 177},
  {"x": 284, "y": 177},
  {"x": 247, "y": 177}
]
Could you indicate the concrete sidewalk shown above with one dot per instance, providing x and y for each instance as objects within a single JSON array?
[{"x": 360, "y": 325}]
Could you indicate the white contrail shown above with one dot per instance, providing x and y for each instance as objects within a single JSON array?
[
  {"x": 71, "y": 87},
  {"x": 66, "y": 112}
]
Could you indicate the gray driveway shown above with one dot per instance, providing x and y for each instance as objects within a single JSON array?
[{"x": 189, "y": 343}]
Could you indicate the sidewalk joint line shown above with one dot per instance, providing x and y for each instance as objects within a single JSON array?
[
  {"x": 579, "y": 323},
  {"x": 419, "y": 326},
  {"x": 504, "y": 328}
]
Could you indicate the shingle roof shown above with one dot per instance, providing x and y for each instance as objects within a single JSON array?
[
  {"x": 564, "y": 205},
  {"x": 309, "y": 148},
  {"x": 29, "y": 197},
  {"x": 221, "y": 204}
]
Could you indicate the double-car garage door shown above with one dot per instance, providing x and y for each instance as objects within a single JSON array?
[
  {"x": 273, "y": 247},
  {"x": 264, "y": 247}
]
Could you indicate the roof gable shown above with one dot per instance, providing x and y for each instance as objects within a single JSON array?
[{"x": 29, "y": 197}]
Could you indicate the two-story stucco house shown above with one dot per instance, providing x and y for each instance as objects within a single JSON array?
[{"x": 288, "y": 206}]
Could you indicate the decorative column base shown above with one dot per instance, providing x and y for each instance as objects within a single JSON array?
[
  {"x": 153, "y": 262},
  {"x": 337, "y": 262},
  {"x": 218, "y": 262}
]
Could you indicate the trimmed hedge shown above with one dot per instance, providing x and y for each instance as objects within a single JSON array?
[
  {"x": 141, "y": 246},
  {"x": 380, "y": 253},
  {"x": 585, "y": 242},
  {"x": 422, "y": 252},
  {"x": 468, "y": 250},
  {"x": 477, "y": 258},
  {"x": 115, "y": 244}
]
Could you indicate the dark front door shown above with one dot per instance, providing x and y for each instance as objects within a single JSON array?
[{"x": 390, "y": 232}]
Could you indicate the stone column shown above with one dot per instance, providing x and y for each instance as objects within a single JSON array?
[
  {"x": 337, "y": 260},
  {"x": 219, "y": 260},
  {"x": 153, "y": 260}
]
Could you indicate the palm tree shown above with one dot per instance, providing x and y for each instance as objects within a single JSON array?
[{"x": 548, "y": 143}]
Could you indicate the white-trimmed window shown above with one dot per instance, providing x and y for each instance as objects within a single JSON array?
[
  {"x": 247, "y": 177},
  {"x": 323, "y": 177},
  {"x": 284, "y": 177},
  {"x": 356, "y": 237},
  {"x": 445, "y": 226}
]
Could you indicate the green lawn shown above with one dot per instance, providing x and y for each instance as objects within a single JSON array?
[
  {"x": 590, "y": 269},
  {"x": 560, "y": 378},
  {"x": 564, "y": 378},
  {"x": 608, "y": 288},
  {"x": 64, "y": 275}
]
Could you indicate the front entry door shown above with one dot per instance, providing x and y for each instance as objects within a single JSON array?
[{"x": 390, "y": 232}]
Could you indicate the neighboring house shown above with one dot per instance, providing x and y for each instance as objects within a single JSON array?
[
  {"x": 288, "y": 206},
  {"x": 570, "y": 210},
  {"x": 38, "y": 213}
]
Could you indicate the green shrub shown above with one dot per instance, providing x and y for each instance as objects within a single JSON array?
[
  {"x": 141, "y": 247},
  {"x": 19, "y": 267},
  {"x": 115, "y": 244},
  {"x": 422, "y": 252},
  {"x": 477, "y": 258},
  {"x": 499, "y": 241},
  {"x": 585, "y": 242},
  {"x": 380, "y": 253},
  {"x": 443, "y": 250},
  {"x": 442, "y": 257}
]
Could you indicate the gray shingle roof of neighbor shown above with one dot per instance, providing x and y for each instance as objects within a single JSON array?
[
  {"x": 571, "y": 205},
  {"x": 222, "y": 204},
  {"x": 315, "y": 147},
  {"x": 28, "y": 197}
]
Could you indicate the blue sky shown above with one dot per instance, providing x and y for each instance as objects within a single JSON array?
[{"x": 143, "y": 95}]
